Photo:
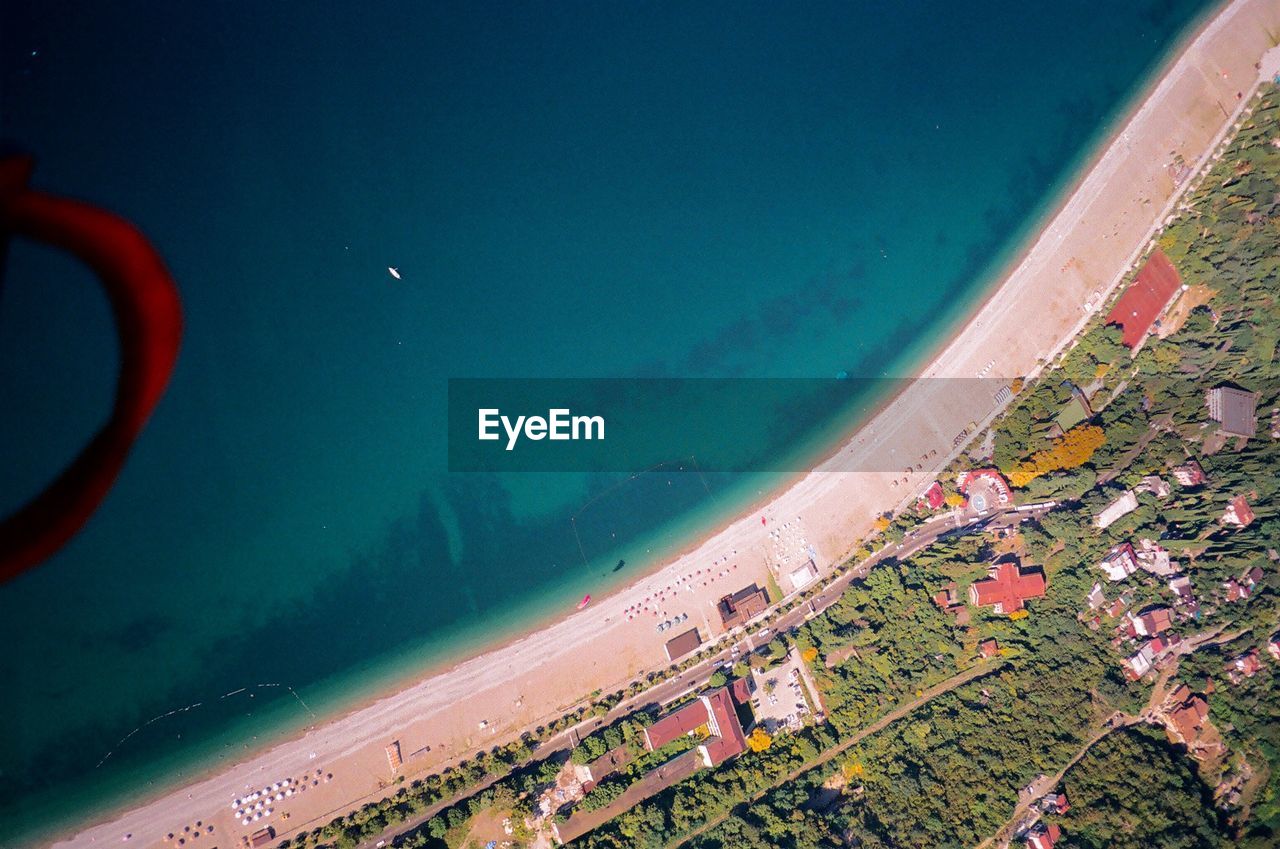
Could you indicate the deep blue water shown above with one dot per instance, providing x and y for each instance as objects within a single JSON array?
[{"x": 569, "y": 190}]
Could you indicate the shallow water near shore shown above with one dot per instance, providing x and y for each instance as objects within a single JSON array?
[{"x": 566, "y": 191}]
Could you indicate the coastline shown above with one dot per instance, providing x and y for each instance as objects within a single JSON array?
[{"x": 965, "y": 325}]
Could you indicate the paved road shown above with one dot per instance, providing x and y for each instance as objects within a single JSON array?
[{"x": 747, "y": 639}]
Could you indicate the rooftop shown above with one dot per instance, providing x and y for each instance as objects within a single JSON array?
[
  {"x": 681, "y": 644},
  {"x": 729, "y": 740},
  {"x": 1008, "y": 587},
  {"x": 1235, "y": 409},
  {"x": 675, "y": 725},
  {"x": 742, "y": 606}
]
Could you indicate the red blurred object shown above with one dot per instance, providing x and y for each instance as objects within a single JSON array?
[{"x": 148, "y": 317}]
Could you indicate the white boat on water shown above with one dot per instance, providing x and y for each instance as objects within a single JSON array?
[{"x": 395, "y": 272}]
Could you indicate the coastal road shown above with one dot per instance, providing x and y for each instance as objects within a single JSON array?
[{"x": 696, "y": 677}]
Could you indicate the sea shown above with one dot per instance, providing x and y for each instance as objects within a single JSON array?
[{"x": 567, "y": 189}]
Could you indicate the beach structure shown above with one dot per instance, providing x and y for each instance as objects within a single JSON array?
[
  {"x": 803, "y": 576},
  {"x": 1122, "y": 506},
  {"x": 1008, "y": 587},
  {"x": 743, "y": 606},
  {"x": 262, "y": 837},
  {"x": 1138, "y": 310},
  {"x": 1234, "y": 409},
  {"x": 934, "y": 498},
  {"x": 681, "y": 644},
  {"x": 393, "y": 755}
]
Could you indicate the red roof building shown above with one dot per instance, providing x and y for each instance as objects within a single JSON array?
[
  {"x": 1243, "y": 666},
  {"x": 1043, "y": 836},
  {"x": 1117, "y": 607},
  {"x": 989, "y": 648},
  {"x": 1151, "y": 623},
  {"x": 673, "y": 726},
  {"x": 934, "y": 497},
  {"x": 1141, "y": 304},
  {"x": 715, "y": 713},
  {"x": 1234, "y": 591},
  {"x": 726, "y": 740},
  {"x": 1055, "y": 803},
  {"x": 1007, "y": 588},
  {"x": 1187, "y": 721},
  {"x": 1238, "y": 512},
  {"x": 1189, "y": 473},
  {"x": 743, "y": 606}
]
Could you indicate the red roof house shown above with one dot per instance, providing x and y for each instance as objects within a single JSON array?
[
  {"x": 1043, "y": 836},
  {"x": 934, "y": 497},
  {"x": 715, "y": 712},
  {"x": 1151, "y": 622},
  {"x": 1007, "y": 588},
  {"x": 727, "y": 739},
  {"x": 1144, "y": 300},
  {"x": 1238, "y": 512},
  {"x": 1187, "y": 721},
  {"x": 1190, "y": 473},
  {"x": 1243, "y": 666},
  {"x": 673, "y": 726},
  {"x": 989, "y": 648},
  {"x": 1055, "y": 803}
]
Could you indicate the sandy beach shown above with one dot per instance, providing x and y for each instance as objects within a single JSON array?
[{"x": 1051, "y": 290}]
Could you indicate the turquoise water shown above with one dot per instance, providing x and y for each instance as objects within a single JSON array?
[{"x": 569, "y": 190}]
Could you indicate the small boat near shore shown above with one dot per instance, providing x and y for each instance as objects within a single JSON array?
[{"x": 586, "y": 599}]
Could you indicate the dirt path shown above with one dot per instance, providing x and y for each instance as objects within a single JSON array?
[
  {"x": 879, "y": 725},
  {"x": 1115, "y": 722}
]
